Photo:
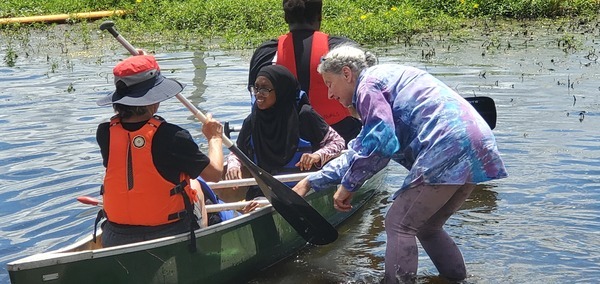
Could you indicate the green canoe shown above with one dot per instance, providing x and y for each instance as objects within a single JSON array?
[{"x": 229, "y": 252}]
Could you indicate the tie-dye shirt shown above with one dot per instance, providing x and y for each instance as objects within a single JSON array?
[{"x": 413, "y": 118}]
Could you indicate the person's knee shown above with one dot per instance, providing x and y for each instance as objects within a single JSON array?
[
  {"x": 395, "y": 227},
  {"x": 427, "y": 233}
]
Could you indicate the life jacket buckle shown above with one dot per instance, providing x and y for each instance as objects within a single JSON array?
[
  {"x": 178, "y": 188},
  {"x": 178, "y": 215}
]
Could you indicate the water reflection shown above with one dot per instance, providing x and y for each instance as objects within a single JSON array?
[
  {"x": 199, "y": 77},
  {"x": 482, "y": 200}
]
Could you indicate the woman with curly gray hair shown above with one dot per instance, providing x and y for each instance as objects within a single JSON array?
[{"x": 413, "y": 118}]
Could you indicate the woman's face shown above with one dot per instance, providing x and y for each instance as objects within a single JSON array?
[
  {"x": 264, "y": 93},
  {"x": 340, "y": 86}
]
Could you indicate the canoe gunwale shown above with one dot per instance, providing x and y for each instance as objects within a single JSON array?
[{"x": 67, "y": 254}]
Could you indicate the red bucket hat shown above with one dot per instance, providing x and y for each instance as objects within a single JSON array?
[{"x": 139, "y": 83}]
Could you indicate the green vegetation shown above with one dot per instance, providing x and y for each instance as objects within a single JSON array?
[{"x": 245, "y": 23}]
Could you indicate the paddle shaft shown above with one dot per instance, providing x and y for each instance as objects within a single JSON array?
[
  {"x": 307, "y": 221},
  {"x": 110, "y": 27}
]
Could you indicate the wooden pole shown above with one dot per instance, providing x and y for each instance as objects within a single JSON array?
[{"x": 62, "y": 17}]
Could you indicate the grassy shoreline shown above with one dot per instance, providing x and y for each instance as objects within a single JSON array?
[
  {"x": 235, "y": 24},
  {"x": 243, "y": 24}
]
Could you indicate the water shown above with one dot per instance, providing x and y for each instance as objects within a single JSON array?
[{"x": 540, "y": 225}]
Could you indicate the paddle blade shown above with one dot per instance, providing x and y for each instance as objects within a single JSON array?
[
  {"x": 486, "y": 107},
  {"x": 89, "y": 200},
  {"x": 307, "y": 221}
]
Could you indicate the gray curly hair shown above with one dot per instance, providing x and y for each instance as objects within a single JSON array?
[{"x": 346, "y": 55}]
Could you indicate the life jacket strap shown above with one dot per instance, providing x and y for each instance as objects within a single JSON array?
[
  {"x": 99, "y": 217},
  {"x": 189, "y": 210}
]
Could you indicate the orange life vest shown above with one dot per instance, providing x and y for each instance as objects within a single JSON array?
[
  {"x": 135, "y": 193},
  {"x": 331, "y": 110}
]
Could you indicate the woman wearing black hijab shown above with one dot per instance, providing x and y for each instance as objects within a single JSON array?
[{"x": 281, "y": 116}]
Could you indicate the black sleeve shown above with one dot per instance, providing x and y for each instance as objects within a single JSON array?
[
  {"x": 312, "y": 126},
  {"x": 262, "y": 56},
  {"x": 174, "y": 151},
  {"x": 102, "y": 138},
  {"x": 337, "y": 40}
]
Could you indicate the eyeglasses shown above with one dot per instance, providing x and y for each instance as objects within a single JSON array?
[{"x": 263, "y": 91}]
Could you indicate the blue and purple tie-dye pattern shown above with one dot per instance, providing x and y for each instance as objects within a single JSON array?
[{"x": 416, "y": 120}]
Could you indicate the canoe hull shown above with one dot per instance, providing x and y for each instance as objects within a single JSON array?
[{"x": 230, "y": 252}]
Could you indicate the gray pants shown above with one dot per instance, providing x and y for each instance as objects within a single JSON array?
[{"x": 421, "y": 212}]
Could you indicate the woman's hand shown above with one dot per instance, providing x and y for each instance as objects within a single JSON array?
[
  {"x": 211, "y": 128},
  {"x": 302, "y": 187},
  {"x": 233, "y": 173},
  {"x": 342, "y": 199},
  {"x": 141, "y": 51},
  {"x": 253, "y": 205},
  {"x": 307, "y": 161}
]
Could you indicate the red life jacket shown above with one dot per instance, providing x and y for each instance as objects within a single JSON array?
[
  {"x": 331, "y": 110},
  {"x": 135, "y": 193}
]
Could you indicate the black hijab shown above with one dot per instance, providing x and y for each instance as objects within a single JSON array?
[{"x": 275, "y": 131}]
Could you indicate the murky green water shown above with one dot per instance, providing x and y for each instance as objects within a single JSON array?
[{"x": 540, "y": 225}]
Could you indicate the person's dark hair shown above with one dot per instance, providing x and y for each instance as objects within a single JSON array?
[
  {"x": 302, "y": 11},
  {"x": 124, "y": 111}
]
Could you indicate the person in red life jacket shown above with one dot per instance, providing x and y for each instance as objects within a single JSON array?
[
  {"x": 283, "y": 134},
  {"x": 147, "y": 189},
  {"x": 300, "y": 51}
]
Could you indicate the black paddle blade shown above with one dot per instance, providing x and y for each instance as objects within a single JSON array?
[
  {"x": 486, "y": 107},
  {"x": 307, "y": 221}
]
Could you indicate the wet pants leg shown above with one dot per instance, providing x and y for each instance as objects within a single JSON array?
[{"x": 420, "y": 212}]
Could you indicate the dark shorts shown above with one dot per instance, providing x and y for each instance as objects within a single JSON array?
[{"x": 115, "y": 234}]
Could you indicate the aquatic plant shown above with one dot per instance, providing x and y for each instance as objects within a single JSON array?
[
  {"x": 11, "y": 56},
  {"x": 569, "y": 43}
]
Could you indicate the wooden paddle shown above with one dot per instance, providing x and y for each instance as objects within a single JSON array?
[
  {"x": 292, "y": 207},
  {"x": 486, "y": 107}
]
